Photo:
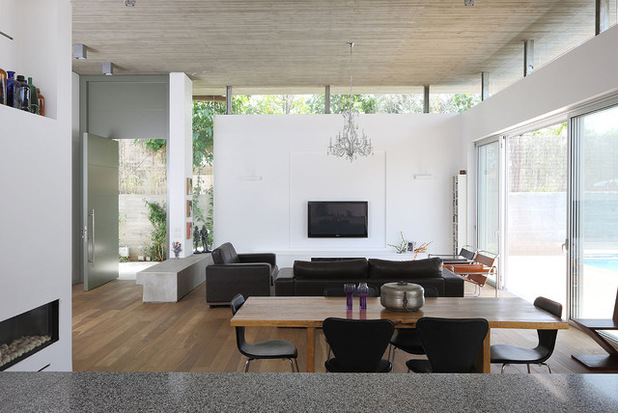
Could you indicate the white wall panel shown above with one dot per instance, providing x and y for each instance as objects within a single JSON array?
[
  {"x": 316, "y": 177},
  {"x": 268, "y": 167}
]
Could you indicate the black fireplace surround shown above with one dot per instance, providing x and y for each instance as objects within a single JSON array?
[{"x": 27, "y": 333}]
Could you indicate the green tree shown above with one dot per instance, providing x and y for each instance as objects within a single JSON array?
[
  {"x": 203, "y": 122},
  {"x": 342, "y": 103},
  {"x": 157, "y": 216}
]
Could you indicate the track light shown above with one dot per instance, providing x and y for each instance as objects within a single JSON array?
[
  {"x": 108, "y": 68},
  {"x": 80, "y": 51}
]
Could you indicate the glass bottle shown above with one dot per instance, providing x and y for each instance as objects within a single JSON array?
[
  {"x": 363, "y": 292},
  {"x": 34, "y": 97},
  {"x": 41, "y": 102},
  {"x": 3, "y": 77},
  {"x": 11, "y": 87},
  {"x": 21, "y": 98},
  {"x": 348, "y": 289}
]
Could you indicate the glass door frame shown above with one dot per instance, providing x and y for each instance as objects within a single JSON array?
[
  {"x": 477, "y": 145},
  {"x": 575, "y": 248}
]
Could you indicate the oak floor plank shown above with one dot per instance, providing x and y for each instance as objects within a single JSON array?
[{"x": 114, "y": 331}]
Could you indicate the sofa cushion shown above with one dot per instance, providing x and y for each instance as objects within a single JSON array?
[
  {"x": 427, "y": 268},
  {"x": 323, "y": 270},
  {"x": 225, "y": 254}
]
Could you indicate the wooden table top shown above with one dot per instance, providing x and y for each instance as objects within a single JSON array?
[{"x": 500, "y": 312}]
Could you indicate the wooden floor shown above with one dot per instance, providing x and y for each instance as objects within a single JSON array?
[{"x": 114, "y": 331}]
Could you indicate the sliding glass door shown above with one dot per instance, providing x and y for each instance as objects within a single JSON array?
[
  {"x": 488, "y": 196},
  {"x": 536, "y": 221},
  {"x": 594, "y": 207}
]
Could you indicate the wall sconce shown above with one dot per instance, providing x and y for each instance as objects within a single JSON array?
[
  {"x": 80, "y": 51},
  {"x": 108, "y": 68}
]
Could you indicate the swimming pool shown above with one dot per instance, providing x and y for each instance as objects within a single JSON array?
[{"x": 603, "y": 263}]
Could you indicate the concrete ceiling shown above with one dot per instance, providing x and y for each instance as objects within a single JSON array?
[{"x": 299, "y": 46}]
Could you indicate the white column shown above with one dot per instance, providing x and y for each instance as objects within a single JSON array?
[{"x": 180, "y": 164}]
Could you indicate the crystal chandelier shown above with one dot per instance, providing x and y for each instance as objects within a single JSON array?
[{"x": 350, "y": 143}]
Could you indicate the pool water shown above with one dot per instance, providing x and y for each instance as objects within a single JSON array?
[{"x": 610, "y": 264}]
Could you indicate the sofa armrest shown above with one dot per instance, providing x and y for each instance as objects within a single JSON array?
[
  {"x": 453, "y": 284},
  {"x": 259, "y": 257},
  {"x": 224, "y": 281},
  {"x": 284, "y": 284}
]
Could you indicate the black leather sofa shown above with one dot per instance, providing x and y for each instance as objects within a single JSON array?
[
  {"x": 311, "y": 278},
  {"x": 233, "y": 273}
]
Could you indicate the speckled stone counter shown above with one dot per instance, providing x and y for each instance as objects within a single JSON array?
[{"x": 301, "y": 392}]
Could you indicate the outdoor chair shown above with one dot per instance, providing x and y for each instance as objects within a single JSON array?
[{"x": 476, "y": 271}]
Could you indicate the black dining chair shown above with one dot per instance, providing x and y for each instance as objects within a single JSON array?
[
  {"x": 507, "y": 354},
  {"x": 358, "y": 345},
  {"x": 451, "y": 344},
  {"x": 407, "y": 339},
  {"x": 272, "y": 349}
]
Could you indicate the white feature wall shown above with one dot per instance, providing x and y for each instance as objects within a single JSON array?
[
  {"x": 268, "y": 167},
  {"x": 179, "y": 162}
]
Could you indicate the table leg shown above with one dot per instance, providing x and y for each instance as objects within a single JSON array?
[
  {"x": 483, "y": 359},
  {"x": 310, "y": 349}
]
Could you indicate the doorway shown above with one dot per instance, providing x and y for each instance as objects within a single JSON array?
[
  {"x": 142, "y": 188},
  {"x": 99, "y": 211},
  {"x": 535, "y": 263}
]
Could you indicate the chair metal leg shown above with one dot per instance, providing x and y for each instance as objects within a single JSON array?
[
  {"x": 292, "y": 364},
  {"x": 296, "y": 363},
  {"x": 528, "y": 367},
  {"x": 246, "y": 369},
  {"x": 393, "y": 359}
]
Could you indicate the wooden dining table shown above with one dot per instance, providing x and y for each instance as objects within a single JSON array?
[{"x": 310, "y": 312}]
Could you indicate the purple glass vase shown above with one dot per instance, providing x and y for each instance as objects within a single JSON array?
[
  {"x": 363, "y": 292},
  {"x": 348, "y": 289}
]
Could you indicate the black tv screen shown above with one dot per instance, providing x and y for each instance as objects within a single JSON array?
[{"x": 335, "y": 219}]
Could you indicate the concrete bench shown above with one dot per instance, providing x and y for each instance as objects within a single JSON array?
[{"x": 170, "y": 280}]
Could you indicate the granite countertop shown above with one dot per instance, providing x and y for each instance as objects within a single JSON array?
[{"x": 302, "y": 392}]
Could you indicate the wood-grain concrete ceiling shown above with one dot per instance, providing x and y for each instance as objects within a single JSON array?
[{"x": 299, "y": 46}]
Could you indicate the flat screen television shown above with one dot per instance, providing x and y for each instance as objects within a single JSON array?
[{"x": 337, "y": 219}]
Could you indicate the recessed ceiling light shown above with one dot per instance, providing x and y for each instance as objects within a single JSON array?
[
  {"x": 129, "y": 3},
  {"x": 466, "y": 2}
]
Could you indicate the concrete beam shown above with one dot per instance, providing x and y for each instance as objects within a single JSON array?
[{"x": 528, "y": 57}]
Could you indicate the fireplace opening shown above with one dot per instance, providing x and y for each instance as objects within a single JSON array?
[{"x": 25, "y": 334}]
